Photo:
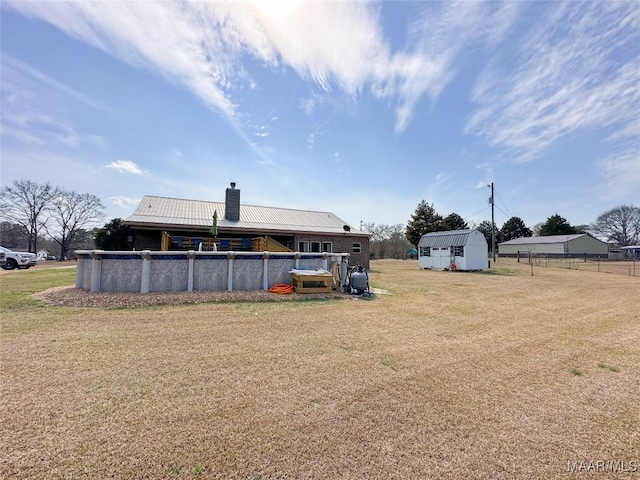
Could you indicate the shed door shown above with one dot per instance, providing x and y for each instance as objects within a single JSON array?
[{"x": 441, "y": 257}]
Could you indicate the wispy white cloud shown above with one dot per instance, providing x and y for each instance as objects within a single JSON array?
[
  {"x": 576, "y": 68},
  {"x": 445, "y": 34},
  {"x": 10, "y": 63},
  {"x": 308, "y": 105},
  {"x": 124, "y": 202},
  {"x": 568, "y": 73},
  {"x": 621, "y": 173},
  {"x": 125, "y": 166},
  {"x": 316, "y": 131},
  {"x": 31, "y": 111},
  {"x": 487, "y": 174},
  {"x": 334, "y": 45}
]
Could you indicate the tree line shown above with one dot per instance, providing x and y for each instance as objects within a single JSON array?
[
  {"x": 36, "y": 211},
  {"x": 42, "y": 214},
  {"x": 619, "y": 226}
]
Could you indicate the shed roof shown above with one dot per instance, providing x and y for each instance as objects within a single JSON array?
[
  {"x": 165, "y": 212},
  {"x": 450, "y": 238},
  {"x": 545, "y": 239}
]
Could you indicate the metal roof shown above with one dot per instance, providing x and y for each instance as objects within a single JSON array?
[
  {"x": 545, "y": 239},
  {"x": 450, "y": 238},
  {"x": 164, "y": 212}
]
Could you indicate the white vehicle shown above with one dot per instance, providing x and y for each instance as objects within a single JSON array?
[{"x": 18, "y": 259}]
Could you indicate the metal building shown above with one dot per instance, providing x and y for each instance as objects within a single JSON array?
[{"x": 555, "y": 246}]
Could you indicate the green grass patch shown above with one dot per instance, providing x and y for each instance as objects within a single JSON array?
[
  {"x": 388, "y": 362},
  {"x": 611, "y": 368},
  {"x": 17, "y": 288},
  {"x": 576, "y": 372}
]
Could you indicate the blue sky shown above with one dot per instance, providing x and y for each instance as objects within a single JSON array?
[{"x": 362, "y": 109}]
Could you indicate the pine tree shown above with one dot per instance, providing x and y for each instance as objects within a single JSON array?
[
  {"x": 514, "y": 228},
  {"x": 454, "y": 221},
  {"x": 556, "y": 225},
  {"x": 424, "y": 220}
]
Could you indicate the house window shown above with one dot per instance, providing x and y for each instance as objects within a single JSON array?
[
  {"x": 327, "y": 247},
  {"x": 356, "y": 248},
  {"x": 425, "y": 251},
  {"x": 303, "y": 246},
  {"x": 315, "y": 247},
  {"x": 457, "y": 251}
]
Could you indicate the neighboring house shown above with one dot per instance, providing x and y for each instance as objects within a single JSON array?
[
  {"x": 562, "y": 246},
  {"x": 453, "y": 250},
  {"x": 178, "y": 224},
  {"x": 631, "y": 252},
  {"x": 42, "y": 254}
]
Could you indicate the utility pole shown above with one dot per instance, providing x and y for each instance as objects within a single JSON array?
[{"x": 493, "y": 225}]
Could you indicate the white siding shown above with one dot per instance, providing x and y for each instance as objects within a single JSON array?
[{"x": 475, "y": 254}]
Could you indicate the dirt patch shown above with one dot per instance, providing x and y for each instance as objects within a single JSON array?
[{"x": 72, "y": 297}]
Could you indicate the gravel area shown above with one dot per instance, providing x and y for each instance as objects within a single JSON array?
[{"x": 72, "y": 297}]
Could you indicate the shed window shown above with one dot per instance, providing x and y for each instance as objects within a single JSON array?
[
  {"x": 327, "y": 247},
  {"x": 425, "y": 251},
  {"x": 303, "y": 246},
  {"x": 356, "y": 248},
  {"x": 457, "y": 251},
  {"x": 315, "y": 247}
]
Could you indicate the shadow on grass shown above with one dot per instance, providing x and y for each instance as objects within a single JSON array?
[{"x": 497, "y": 271}]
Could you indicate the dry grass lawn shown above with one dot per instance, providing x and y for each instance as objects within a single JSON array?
[{"x": 453, "y": 375}]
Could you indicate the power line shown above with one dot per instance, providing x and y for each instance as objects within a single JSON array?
[
  {"x": 505, "y": 214},
  {"x": 505, "y": 205},
  {"x": 473, "y": 215}
]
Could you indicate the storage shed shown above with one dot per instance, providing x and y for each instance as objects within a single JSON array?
[
  {"x": 561, "y": 246},
  {"x": 453, "y": 250}
]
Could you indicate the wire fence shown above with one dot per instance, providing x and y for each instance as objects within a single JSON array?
[{"x": 630, "y": 267}]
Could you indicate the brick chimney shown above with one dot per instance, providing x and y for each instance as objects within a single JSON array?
[{"x": 232, "y": 203}]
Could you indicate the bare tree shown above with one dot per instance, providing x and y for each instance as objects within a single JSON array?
[
  {"x": 537, "y": 228},
  {"x": 387, "y": 241},
  {"x": 26, "y": 203},
  {"x": 620, "y": 225},
  {"x": 70, "y": 213},
  {"x": 13, "y": 235}
]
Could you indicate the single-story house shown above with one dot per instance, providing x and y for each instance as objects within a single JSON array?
[
  {"x": 453, "y": 250},
  {"x": 163, "y": 223},
  {"x": 580, "y": 244}
]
